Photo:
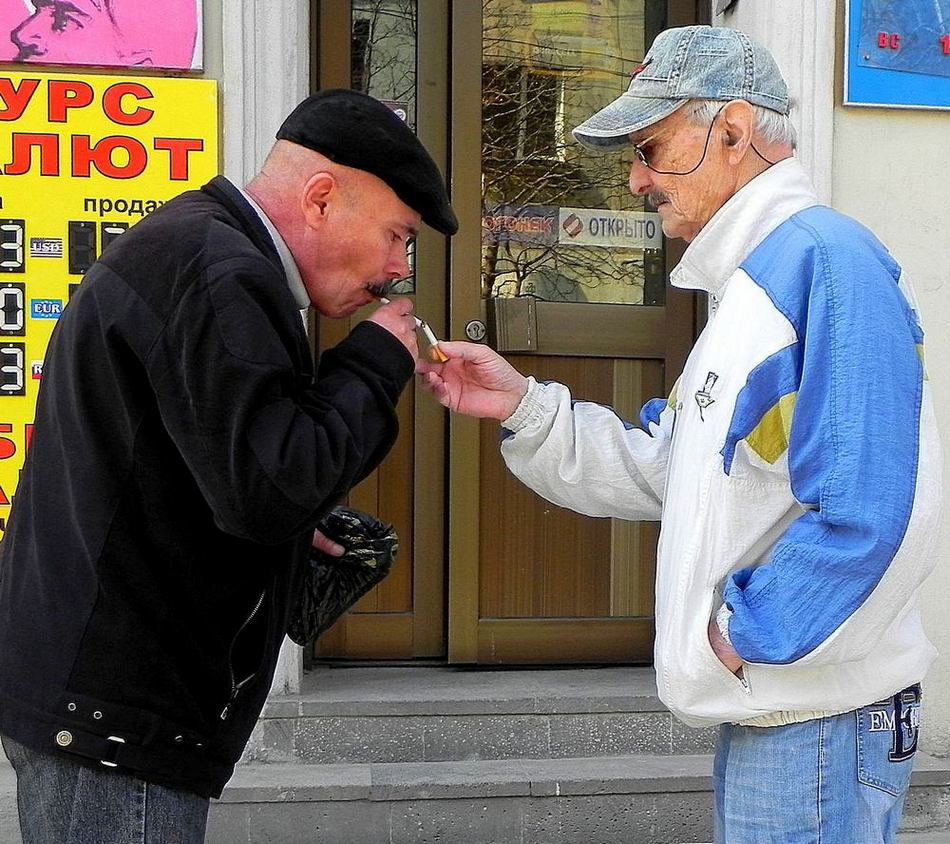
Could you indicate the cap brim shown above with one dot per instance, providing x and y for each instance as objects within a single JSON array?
[{"x": 610, "y": 127}]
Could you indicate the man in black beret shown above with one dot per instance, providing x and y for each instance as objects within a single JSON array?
[{"x": 184, "y": 450}]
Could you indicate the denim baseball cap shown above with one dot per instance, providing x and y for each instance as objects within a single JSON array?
[{"x": 687, "y": 63}]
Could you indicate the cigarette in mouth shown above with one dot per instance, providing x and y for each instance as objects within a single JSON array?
[{"x": 434, "y": 351}]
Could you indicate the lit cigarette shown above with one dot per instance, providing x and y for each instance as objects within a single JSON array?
[{"x": 434, "y": 351}]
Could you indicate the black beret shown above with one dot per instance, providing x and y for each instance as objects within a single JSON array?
[{"x": 356, "y": 130}]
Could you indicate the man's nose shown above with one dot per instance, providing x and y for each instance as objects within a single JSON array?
[
  {"x": 641, "y": 178},
  {"x": 399, "y": 265}
]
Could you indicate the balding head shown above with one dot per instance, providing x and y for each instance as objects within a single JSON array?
[{"x": 347, "y": 229}]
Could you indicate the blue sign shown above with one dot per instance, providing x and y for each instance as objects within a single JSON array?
[
  {"x": 46, "y": 308},
  {"x": 898, "y": 53}
]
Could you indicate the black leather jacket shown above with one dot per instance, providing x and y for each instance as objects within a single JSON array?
[{"x": 183, "y": 451}]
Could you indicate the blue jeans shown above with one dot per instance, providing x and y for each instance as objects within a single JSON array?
[
  {"x": 62, "y": 802},
  {"x": 839, "y": 780}
]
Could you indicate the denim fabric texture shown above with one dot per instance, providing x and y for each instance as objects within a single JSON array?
[
  {"x": 838, "y": 780},
  {"x": 688, "y": 63},
  {"x": 61, "y": 801}
]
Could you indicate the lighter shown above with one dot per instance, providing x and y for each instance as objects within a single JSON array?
[{"x": 434, "y": 351}]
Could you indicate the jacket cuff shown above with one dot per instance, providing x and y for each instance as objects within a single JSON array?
[
  {"x": 529, "y": 408},
  {"x": 373, "y": 346}
]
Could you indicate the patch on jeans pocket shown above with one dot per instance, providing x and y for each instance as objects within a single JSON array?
[{"x": 887, "y": 740}]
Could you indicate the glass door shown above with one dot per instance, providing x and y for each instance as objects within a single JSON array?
[
  {"x": 556, "y": 266},
  {"x": 571, "y": 286}
]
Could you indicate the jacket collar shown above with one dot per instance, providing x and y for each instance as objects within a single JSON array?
[
  {"x": 251, "y": 224},
  {"x": 756, "y": 209},
  {"x": 294, "y": 279}
]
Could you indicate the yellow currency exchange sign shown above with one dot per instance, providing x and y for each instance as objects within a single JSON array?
[{"x": 82, "y": 158}]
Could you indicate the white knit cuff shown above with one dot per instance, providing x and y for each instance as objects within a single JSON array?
[{"x": 528, "y": 407}]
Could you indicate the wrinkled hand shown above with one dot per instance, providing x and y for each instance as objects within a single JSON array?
[
  {"x": 323, "y": 543},
  {"x": 396, "y": 317},
  {"x": 727, "y": 654},
  {"x": 476, "y": 381}
]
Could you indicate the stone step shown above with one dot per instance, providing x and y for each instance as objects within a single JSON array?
[
  {"x": 389, "y": 715},
  {"x": 619, "y": 800},
  {"x": 494, "y": 802},
  {"x": 667, "y": 797}
]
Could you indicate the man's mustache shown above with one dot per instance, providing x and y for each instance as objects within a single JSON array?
[
  {"x": 380, "y": 288},
  {"x": 657, "y": 198}
]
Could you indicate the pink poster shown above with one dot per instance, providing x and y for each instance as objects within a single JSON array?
[{"x": 106, "y": 33}]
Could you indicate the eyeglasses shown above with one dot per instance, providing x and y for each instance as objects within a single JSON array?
[{"x": 642, "y": 154}]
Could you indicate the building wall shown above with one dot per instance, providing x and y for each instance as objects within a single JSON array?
[
  {"x": 259, "y": 51},
  {"x": 889, "y": 173},
  {"x": 885, "y": 167},
  {"x": 213, "y": 40},
  {"x": 800, "y": 34}
]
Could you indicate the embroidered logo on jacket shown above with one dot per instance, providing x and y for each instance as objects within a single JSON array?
[{"x": 704, "y": 396}]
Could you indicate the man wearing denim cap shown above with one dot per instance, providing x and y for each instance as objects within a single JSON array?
[
  {"x": 800, "y": 494},
  {"x": 184, "y": 451}
]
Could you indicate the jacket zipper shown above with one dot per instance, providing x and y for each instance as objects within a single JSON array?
[{"x": 235, "y": 686}]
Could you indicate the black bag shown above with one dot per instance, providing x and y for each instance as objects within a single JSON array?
[{"x": 333, "y": 584}]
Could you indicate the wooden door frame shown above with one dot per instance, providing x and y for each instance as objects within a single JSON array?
[{"x": 465, "y": 644}]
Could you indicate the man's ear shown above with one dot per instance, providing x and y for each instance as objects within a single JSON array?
[
  {"x": 738, "y": 120},
  {"x": 319, "y": 195}
]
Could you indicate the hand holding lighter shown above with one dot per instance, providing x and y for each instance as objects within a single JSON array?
[{"x": 434, "y": 351}]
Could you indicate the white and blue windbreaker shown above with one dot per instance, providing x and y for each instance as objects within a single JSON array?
[{"x": 796, "y": 467}]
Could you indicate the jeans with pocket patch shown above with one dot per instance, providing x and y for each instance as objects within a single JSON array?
[{"x": 836, "y": 780}]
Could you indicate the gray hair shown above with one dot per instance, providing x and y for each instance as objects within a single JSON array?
[{"x": 772, "y": 127}]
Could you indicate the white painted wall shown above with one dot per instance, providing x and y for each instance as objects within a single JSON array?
[
  {"x": 800, "y": 34},
  {"x": 886, "y": 168},
  {"x": 889, "y": 172}
]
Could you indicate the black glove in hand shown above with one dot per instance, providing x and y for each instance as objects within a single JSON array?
[{"x": 333, "y": 584}]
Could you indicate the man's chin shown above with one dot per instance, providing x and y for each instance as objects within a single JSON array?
[
  {"x": 670, "y": 228},
  {"x": 349, "y": 310}
]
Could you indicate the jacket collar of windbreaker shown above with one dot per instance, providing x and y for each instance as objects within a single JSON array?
[{"x": 743, "y": 223}]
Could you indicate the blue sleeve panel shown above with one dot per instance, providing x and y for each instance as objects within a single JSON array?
[
  {"x": 650, "y": 412},
  {"x": 854, "y": 438}
]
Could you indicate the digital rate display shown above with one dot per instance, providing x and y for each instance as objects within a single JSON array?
[{"x": 83, "y": 157}]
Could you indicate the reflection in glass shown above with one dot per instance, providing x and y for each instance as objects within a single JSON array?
[
  {"x": 383, "y": 64},
  {"x": 558, "y": 221}
]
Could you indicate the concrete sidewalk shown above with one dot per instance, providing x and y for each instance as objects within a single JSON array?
[{"x": 9, "y": 827}]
